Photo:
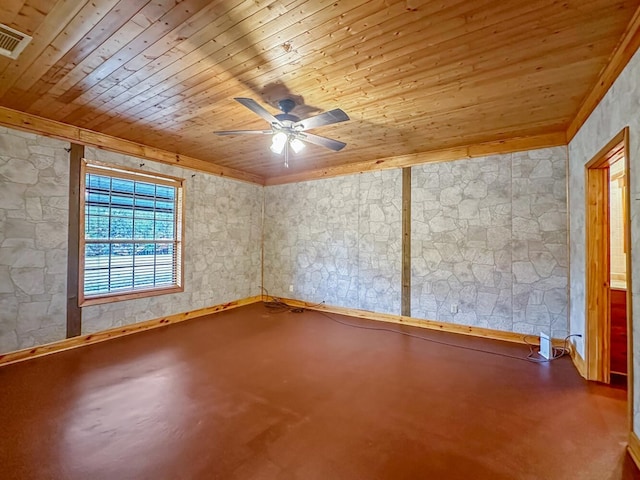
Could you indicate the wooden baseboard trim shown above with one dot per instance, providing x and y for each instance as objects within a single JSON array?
[
  {"x": 82, "y": 340},
  {"x": 633, "y": 447},
  {"x": 429, "y": 324},
  {"x": 578, "y": 361}
]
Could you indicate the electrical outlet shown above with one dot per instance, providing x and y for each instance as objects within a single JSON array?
[
  {"x": 291, "y": 288},
  {"x": 454, "y": 308}
]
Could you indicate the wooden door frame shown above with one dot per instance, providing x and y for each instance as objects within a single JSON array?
[
  {"x": 597, "y": 270},
  {"x": 597, "y": 312}
]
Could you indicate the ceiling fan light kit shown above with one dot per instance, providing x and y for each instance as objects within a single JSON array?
[
  {"x": 278, "y": 141},
  {"x": 296, "y": 144},
  {"x": 289, "y": 132}
]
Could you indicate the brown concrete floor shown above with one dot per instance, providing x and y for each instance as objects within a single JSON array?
[{"x": 249, "y": 394}]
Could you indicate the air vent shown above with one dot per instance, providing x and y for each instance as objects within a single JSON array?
[{"x": 12, "y": 42}]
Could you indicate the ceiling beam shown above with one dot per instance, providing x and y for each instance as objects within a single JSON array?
[
  {"x": 511, "y": 145},
  {"x": 626, "y": 48},
  {"x": 50, "y": 128}
]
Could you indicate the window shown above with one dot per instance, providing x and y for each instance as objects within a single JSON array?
[{"x": 130, "y": 234}]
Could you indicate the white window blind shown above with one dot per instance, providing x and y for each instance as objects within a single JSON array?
[{"x": 132, "y": 235}]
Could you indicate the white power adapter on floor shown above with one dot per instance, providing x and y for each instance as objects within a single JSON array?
[{"x": 545, "y": 345}]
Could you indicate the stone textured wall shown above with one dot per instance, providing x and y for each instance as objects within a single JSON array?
[
  {"x": 34, "y": 181},
  {"x": 489, "y": 235},
  {"x": 336, "y": 240},
  {"x": 539, "y": 241},
  {"x": 619, "y": 108},
  {"x": 223, "y": 231}
]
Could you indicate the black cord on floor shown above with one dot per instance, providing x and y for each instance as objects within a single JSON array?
[
  {"x": 281, "y": 306},
  {"x": 558, "y": 352}
]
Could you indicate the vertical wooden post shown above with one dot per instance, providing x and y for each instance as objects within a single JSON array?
[
  {"x": 74, "y": 312},
  {"x": 406, "y": 241},
  {"x": 262, "y": 226}
]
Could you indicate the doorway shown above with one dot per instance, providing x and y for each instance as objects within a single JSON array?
[{"x": 608, "y": 264}]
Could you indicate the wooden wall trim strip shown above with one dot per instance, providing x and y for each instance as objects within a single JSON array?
[
  {"x": 628, "y": 45},
  {"x": 511, "y": 145},
  {"x": 74, "y": 312},
  {"x": 75, "y": 342},
  {"x": 416, "y": 322},
  {"x": 50, "y": 128},
  {"x": 633, "y": 447},
  {"x": 406, "y": 241}
]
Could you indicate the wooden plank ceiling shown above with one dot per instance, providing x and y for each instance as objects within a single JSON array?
[{"x": 414, "y": 75}]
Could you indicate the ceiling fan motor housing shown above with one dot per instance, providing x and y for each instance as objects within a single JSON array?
[{"x": 286, "y": 105}]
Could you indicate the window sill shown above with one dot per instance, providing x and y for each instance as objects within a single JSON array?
[{"x": 119, "y": 297}]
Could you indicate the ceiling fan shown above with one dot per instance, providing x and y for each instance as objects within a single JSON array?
[{"x": 288, "y": 130}]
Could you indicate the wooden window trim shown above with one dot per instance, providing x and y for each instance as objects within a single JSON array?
[{"x": 92, "y": 166}]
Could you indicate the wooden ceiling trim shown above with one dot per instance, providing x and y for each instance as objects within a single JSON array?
[
  {"x": 554, "y": 139},
  {"x": 495, "y": 134},
  {"x": 15, "y": 119},
  {"x": 56, "y": 22},
  {"x": 444, "y": 155},
  {"x": 626, "y": 48}
]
